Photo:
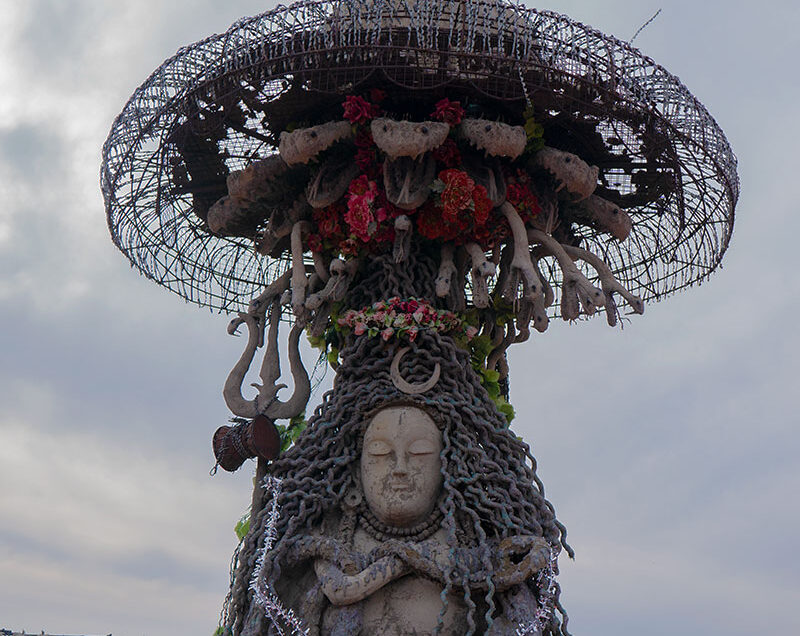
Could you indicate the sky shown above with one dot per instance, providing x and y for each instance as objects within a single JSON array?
[{"x": 669, "y": 448}]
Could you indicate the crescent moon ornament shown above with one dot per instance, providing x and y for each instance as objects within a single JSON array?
[{"x": 405, "y": 386}]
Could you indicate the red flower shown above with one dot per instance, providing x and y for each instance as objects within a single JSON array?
[
  {"x": 360, "y": 219},
  {"x": 495, "y": 232},
  {"x": 365, "y": 159},
  {"x": 377, "y": 95},
  {"x": 349, "y": 246},
  {"x": 327, "y": 220},
  {"x": 362, "y": 186},
  {"x": 447, "y": 154},
  {"x": 520, "y": 195},
  {"x": 358, "y": 110},
  {"x": 364, "y": 139},
  {"x": 314, "y": 242},
  {"x": 429, "y": 222},
  {"x": 482, "y": 205},
  {"x": 449, "y": 112},
  {"x": 457, "y": 193}
]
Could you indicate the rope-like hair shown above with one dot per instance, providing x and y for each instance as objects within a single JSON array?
[{"x": 490, "y": 486}]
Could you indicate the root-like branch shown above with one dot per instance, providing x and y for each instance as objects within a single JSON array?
[
  {"x": 480, "y": 273},
  {"x": 447, "y": 271},
  {"x": 522, "y": 269},
  {"x": 403, "y": 230},
  {"x": 609, "y": 284},
  {"x": 299, "y": 279},
  {"x": 576, "y": 288}
]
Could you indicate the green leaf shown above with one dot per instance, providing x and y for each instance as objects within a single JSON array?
[
  {"x": 507, "y": 410},
  {"x": 243, "y": 527},
  {"x": 481, "y": 347},
  {"x": 534, "y": 145}
]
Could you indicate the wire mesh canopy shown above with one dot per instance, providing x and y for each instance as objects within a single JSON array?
[{"x": 220, "y": 104}]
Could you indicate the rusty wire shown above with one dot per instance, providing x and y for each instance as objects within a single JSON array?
[{"x": 219, "y": 104}]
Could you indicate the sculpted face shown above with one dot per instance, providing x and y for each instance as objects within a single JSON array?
[{"x": 400, "y": 465}]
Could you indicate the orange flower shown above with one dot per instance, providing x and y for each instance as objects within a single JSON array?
[{"x": 457, "y": 193}]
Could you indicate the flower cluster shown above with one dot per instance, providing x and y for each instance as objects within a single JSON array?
[
  {"x": 404, "y": 319},
  {"x": 458, "y": 211},
  {"x": 520, "y": 195}
]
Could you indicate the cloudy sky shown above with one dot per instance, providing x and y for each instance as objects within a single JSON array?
[{"x": 669, "y": 448}]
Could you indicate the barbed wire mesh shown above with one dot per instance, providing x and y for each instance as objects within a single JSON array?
[{"x": 221, "y": 103}]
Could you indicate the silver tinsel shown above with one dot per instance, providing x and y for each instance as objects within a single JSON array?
[{"x": 263, "y": 594}]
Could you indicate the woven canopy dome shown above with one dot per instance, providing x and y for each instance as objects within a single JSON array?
[{"x": 220, "y": 104}]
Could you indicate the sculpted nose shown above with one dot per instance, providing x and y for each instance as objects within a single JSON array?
[{"x": 400, "y": 465}]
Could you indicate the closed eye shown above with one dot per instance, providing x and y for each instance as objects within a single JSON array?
[
  {"x": 378, "y": 448},
  {"x": 422, "y": 447}
]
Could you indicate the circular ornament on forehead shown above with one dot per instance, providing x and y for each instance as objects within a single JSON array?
[
  {"x": 401, "y": 465},
  {"x": 407, "y": 387}
]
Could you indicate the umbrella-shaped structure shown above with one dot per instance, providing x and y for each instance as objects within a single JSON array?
[{"x": 416, "y": 184}]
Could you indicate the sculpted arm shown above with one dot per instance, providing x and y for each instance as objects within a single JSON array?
[{"x": 344, "y": 589}]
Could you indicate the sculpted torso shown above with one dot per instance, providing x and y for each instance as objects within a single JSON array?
[{"x": 401, "y": 481}]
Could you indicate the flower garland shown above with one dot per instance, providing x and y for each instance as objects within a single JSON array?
[
  {"x": 458, "y": 210},
  {"x": 403, "y": 319}
]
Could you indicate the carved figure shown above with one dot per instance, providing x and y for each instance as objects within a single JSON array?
[
  {"x": 436, "y": 524},
  {"x": 570, "y": 171},
  {"x": 602, "y": 215},
  {"x": 408, "y": 181},
  {"x": 301, "y": 146},
  {"x": 495, "y": 138},
  {"x": 225, "y": 217},
  {"x": 408, "y": 138},
  {"x": 330, "y": 183},
  {"x": 260, "y": 180}
]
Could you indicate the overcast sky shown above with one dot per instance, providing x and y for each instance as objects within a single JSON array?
[{"x": 669, "y": 448}]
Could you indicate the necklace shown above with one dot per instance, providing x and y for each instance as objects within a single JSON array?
[{"x": 381, "y": 531}]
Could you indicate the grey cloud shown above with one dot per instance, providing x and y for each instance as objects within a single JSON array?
[
  {"x": 32, "y": 153},
  {"x": 668, "y": 448}
]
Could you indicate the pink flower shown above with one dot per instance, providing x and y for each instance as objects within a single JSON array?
[
  {"x": 387, "y": 333},
  {"x": 360, "y": 219},
  {"x": 471, "y": 332},
  {"x": 360, "y": 328}
]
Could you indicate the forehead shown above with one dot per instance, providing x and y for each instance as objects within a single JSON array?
[{"x": 400, "y": 421}]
